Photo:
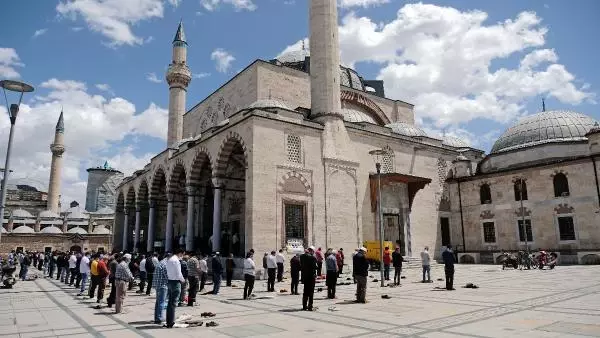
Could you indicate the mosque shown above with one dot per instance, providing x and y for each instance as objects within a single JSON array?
[{"x": 283, "y": 152}]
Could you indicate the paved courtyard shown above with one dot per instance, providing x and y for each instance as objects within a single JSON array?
[{"x": 564, "y": 302}]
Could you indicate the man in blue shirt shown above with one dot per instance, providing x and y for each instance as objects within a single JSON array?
[{"x": 448, "y": 258}]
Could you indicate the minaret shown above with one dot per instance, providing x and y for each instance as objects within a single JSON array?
[
  {"x": 325, "y": 80},
  {"x": 178, "y": 78},
  {"x": 58, "y": 149}
]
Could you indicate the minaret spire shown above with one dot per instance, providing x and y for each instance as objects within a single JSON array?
[
  {"x": 58, "y": 149},
  {"x": 178, "y": 78},
  {"x": 543, "y": 104}
]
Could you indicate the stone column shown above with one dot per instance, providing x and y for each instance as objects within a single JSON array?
[
  {"x": 65, "y": 225},
  {"x": 150, "y": 237},
  {"x": 169, "y": 226},
  {"x": 216, "y": 233},
  {"x": 189, "y": 229},
  {"x": 201, "y": 200},
  {"x": 125, "y": 228},
  {"x": 136, "y": 236}
]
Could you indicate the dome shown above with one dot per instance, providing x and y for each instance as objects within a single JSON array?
[
  {"x": 406, "y": 129},
  {"x": 20, "y": 213},
  {"x": 355, "y": 115},
  {"x": 76, "y": 213},
  {"x": 268, "y": 103},
  {"x": 49, "y": 214},
  {"x": 3, "y": 230},
  {"x": 51, "y": 230},
  {"x": 294, "y": 56},
  {"x": 101, "y": 230},
  {"x": 455, "y": 142},
  {"x": 23, "y": 229},
  {"x": 77, "y": 230},
  {"x": 545, "y": 127},
  {"x": 104, "y": 211}
]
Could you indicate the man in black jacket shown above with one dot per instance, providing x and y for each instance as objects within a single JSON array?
[
  {"x": 361, "y": 271},
  {"x": 397, "y": 260},
  {"x": 150, "y": 261},
  {"x": 448, "y": 258},
  {"x": 308, "y": 263},
  {"x": 295, "y": 268}
]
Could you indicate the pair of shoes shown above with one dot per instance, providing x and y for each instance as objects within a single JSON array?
[
  {"x": 207, "y": 314},
  {"x": 385, "y": 297},
  {"x": 157, "y": 322},
  {"x": 168, "y": 326},
  {"x": 211, "y": 324},
  {"x": 79, "y": 294}
]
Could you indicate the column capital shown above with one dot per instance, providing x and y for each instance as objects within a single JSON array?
[
  {"x": 152, "y": 203},
  {"x": 126, "y": 210},
  {"x": 191, "y": 190},
  {"x": 217, "y": 182},
  {"x": 170, "y": 197}
]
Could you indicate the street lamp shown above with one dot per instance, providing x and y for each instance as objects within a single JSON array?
[
  {"x": 13, "y": 111},
  {"x": 378, "y": 157}
]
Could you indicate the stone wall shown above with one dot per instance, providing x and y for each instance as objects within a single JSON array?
[{"x": 38, "y": 242}]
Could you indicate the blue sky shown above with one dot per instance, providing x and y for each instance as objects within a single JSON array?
[{"x": 460, "y": 62}]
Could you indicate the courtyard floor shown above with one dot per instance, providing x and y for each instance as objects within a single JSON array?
[{"x": 564, "y": 302}]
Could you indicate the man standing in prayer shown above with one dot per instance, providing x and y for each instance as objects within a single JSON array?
[
  {"x": 174, "y": 285},
  {"x": 425, "y": 262},
  {"x": 340, "y": 261},
  {"x": 308, "y": 263},
  {"x": 194, "y": 273},
  {"x": 103, "y": 273},
  {"x": 160, "y": 284},
  {"x": 320, "y": 258},
  {"x": 295, "y": 268},
  {"x": 272, "y": 266},
  {"x": 280, "y": 260},
  {"x": 217, "y": 270},
  {"x": 397, "y": 260},
  {"x": 123, "y": 277},
  {"x": 361, "y": 271},
  {"x": 387, "y": 261},
  {"x": 143, "y": 275},
  {"x": 184, "y": 272},
  {"x": 265, "y": 266},
  {"x": 94, "y": 276},
  {"x": 204, "y": 269},
  {"x": 229, "y": 266},
  {"x": 72, "y": 266},
  {"x": 151, "y": 263},
  {"x": 84, "y": 270},
  {"x": 332, "y": 271},
  {"x": 249, "y": 275},
  {"x": 448, "y": 258}
]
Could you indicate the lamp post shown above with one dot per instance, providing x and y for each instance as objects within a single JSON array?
[
  {"x": 13, "y": 111},
  {"x": 377, "y": 157},
  {"x": 523, "y": 219}
]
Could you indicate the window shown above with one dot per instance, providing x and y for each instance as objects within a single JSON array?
[
  {"x": 566, "y": 228},
  {"x": 294, "y": 221},
  {"x": 20, "y": 249},
  {"x": 485, "y": 194},
  {"x": 48, "y": 249},
  {"x": 489, "y": 232},
  {"x": 561, "y": 185},
  {"x": 294, "y": 148},
  {"x": 520, "y": 190},
  {"x": 100, "y": 250},
  {"x": 522, "y": 231},
  {"x": 388, "y": 161}
]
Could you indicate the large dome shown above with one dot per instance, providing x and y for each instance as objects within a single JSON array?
[{"x": 545, "y": 127}]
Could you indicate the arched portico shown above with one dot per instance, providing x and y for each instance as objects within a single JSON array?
[
  {"x": 157, "y": 214},
  {"x": 176, "y": 208},
  {"x": 201, "y": 187},
  {"x": 117, "y": 243}
]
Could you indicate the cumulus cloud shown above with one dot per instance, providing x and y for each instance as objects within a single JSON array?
[
  {"x": 200, "y": 75},
  {"x": 114, "y": 18},
  {"x": 238, "y": 5},
  {"x": 94, "y": 124},
  {"x": 153, "y": 78},
  {"x": 105, "y": 88},
  {"x": 9, "y": 61},
  {"x": 439, "y": 58},
  {"x": 362, "y": 3},
  {"x": 223, "y": 59},
  {"x": 39, "y": 32}
]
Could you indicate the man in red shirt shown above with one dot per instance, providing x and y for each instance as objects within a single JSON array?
[
  {"x": 387, "y": 260},
  {"x": 320, "y": 257},
  {"x": 340, "y": 261},
  {"x": 103, "y": 273}
]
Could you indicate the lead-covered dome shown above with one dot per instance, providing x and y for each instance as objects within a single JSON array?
[
  {"x": 545, "y": 127},
  {"x": 268, "y": 103},
  {"x": 21, "y": 213},
  {"x": 51, "y": 230},
  {"x": 455, "y": 142},
  {"x": 23, "y": 229},
  {"x": 406, "y": 129}
]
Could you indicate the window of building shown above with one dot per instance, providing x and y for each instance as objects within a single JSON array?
[
  {"x": 294, "y": 221},
  {"x": 485, "y": 194},
  {"x": 294, "y": 148},
  {"x": 100, "y": 250},
  {"x": 522, "y": 230},
  {"x": 566, "y": 228},
  {"x": 561, "y": 185},
  {"x": 48, "y": 249},
  {"x": 520, "y": 190},
  {"x": 20, "y": 249},
  {"x": 489, "y": 232},
  {"x": 388, "y": 161}
]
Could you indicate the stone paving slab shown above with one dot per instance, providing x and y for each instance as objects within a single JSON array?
[{"x": 564, "y": 302}]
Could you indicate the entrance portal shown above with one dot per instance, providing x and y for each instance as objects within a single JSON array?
[{"x": 75, "y": 248}]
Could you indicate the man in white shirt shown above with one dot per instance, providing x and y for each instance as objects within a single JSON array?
[
  {"x": 425, "y": 262},
  {"x": 84, "y": 270},
  {"x": 72, "y": 266},
  {"x": 271, "y": 270},
  {"x": 143, "y": 274},
  {"x": 174, "y": 285},
  {"x": 280, "y": 259},
  {"x": 204, "y": 269}
]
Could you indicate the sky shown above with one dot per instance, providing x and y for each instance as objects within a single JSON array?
[{"x": 471, "y": 68}]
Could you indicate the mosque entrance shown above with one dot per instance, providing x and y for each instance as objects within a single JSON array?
[
  {"x": 75, "y": 248},
  {"x": 393, "y": 230}
]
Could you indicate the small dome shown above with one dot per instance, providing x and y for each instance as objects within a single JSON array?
[
  {"x": 406, "y": 129},
  {"x": 49, "y": 214},
  {"x": 76, "y": 213},
  {"x": 101, "y": 230},
  {"x": 595, "y": 130},
  {"x": 294, "y": 56},
  {"x": 3, "y": 230},
  {"x": 20, "y": 213},
  {"x": 460, "y": 158},
  {"x": 51, "y": 230},
  {"x": 545, "y": 127},
  {"x": 77, "y": 230},
  {"x": 356, "y": 116},
  {"x": 23, "y": 229},
  {"x": 455, "y": 142},
  {"x": 104, "y": 211},
  {"x": 268, "y": 103}
]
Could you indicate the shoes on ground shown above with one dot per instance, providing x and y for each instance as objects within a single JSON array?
[{"x": 211, "y": 324}]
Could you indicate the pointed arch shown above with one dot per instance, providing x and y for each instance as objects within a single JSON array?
[
  {"x": 143, "y": 192},
  {"x": 201, "y": 168},
  {"x": 561, "y": 185},
  {"x": 120, "y": 205},
  {"x": 177, "y": 178},
  {"x": 130, "y": 197},
  {"x": 158, "y": 185},
  {"x": 234, "y": 149}
]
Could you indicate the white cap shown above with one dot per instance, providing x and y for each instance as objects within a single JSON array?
[
  {"x": 311, "y": 248},
  {"x": 127, "y": 256},
  {"x": 363, "y": 249}
]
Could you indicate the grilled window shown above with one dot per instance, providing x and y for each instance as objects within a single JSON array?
[
  {"x": 522, "y": 229},
  {"x": 294, "y": 221},
  {"x": 566, "y": 228},
  {"x": 489, "y": 232},
  {"x": 294, "y": 148}
]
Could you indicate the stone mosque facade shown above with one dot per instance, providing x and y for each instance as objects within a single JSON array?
[{"x": 281, "y": 153}]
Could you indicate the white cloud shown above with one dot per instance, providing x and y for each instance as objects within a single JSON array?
[
  {"x": 76, "y": 29},
  {"x": 105, "y": 88},
  {"x": 153, "y": 78},
  {"x": 222, "y": 59},
  {"x": 439, "y": 58},
  {"x": 362, "y": 3},
  {"x": 94, "y": 124},
  {"x": 238, "y": 5},
  {"x": 9, "y": 60},
  {"x": 200, "y": 75},
  {"x": 174, "y": 3},
  {"x": 39, "y": 32},
  {"x": 113, "y": 18}
]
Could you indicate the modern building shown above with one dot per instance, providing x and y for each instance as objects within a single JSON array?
[{"x": 101, "y": 187}]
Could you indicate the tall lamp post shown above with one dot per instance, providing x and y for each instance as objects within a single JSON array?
[
  {"x": 377, "y": 157},
  {"x": 13, "y": 111}
]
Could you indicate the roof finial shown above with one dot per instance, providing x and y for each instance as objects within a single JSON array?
[
  {"x": 543, "y": 104},
  {"x": 180, "y": 35},
  {"x": 60, "y": 125}
]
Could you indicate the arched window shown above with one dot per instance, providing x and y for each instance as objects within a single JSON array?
[
  {"x": 561, "y": 185},
  {"x": 485, "y": 194},
  {"x": 520, "y": 190}
]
